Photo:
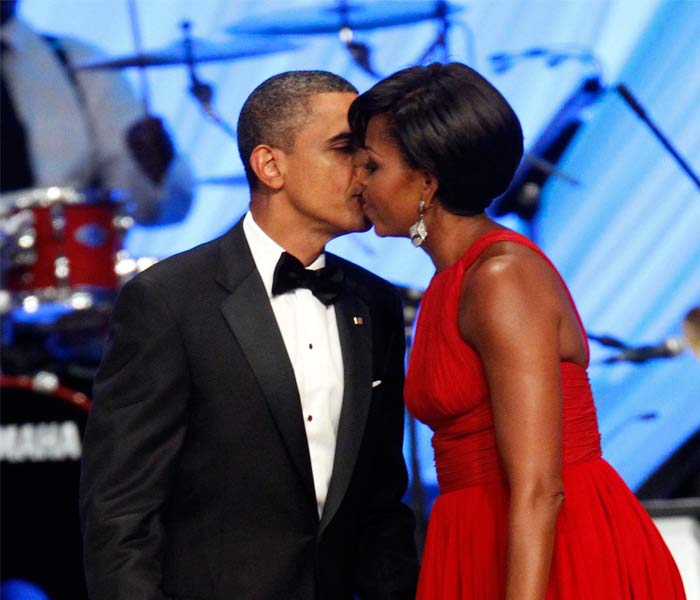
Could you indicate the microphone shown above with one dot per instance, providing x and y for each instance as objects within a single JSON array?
[{"x": 669, "y": 348}]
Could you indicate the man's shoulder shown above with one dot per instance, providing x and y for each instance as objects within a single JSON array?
[{"x": 187, "y": 267}]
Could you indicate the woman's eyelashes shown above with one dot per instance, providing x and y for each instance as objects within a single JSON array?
[
  {"x": 364, "y": 162},
  {"x": 370, "y": 166}
]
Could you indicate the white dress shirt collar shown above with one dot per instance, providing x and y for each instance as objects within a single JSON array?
[{"x": 266, "y": 252}]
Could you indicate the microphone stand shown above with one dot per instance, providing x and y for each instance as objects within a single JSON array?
[
  {"x": 202, "y": 92},
  {"x": 669, "y": 348},
  {"x": 632, "y": 102}
]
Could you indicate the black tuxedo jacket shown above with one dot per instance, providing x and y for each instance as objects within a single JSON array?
[{"x": 196, "y": 478}]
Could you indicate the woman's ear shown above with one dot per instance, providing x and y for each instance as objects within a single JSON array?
[
  {"x": 430, "y": 187},
  {"x": 267, "y": 164}
]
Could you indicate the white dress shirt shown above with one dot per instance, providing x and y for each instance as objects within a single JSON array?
[
  {"x": 70, "y": 142},
  {"x": 310, "y": 334}
]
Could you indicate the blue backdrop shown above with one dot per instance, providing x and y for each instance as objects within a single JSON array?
[{"x": 627, "y": 238}]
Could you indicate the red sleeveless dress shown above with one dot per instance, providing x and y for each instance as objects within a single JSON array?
[{"x": 606, "y": 546}]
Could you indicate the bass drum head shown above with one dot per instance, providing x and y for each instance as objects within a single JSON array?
[{"x": 41, "y": 446}]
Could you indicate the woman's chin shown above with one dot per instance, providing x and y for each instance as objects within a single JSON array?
[
  {"x": 378, "y": 228},
  {"x": 381, "y": 228},
  {"x": 383, "y": 231}
]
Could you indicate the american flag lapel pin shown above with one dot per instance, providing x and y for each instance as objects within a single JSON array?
[{"x": 358, "y": 321}]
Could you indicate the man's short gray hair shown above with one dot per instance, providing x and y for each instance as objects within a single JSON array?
[{"x": 278, "y": 108}]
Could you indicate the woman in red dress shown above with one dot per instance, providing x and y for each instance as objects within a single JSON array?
[{"x": 528, "y": 509}]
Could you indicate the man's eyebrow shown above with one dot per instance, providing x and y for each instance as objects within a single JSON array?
[{"x": 345, "y": 136}]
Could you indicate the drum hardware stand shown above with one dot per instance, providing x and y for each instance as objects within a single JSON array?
[
  {"x": 61, "y": 264},
  {"x": 441, "y": 41},
  {"x": 202, "y": 92},
  {"x": 359, "y": 51},
  {"x": 45, "y": 382},
  {"x": 344, "y": 18},
  {"x": 440, "y": 45},
  {"x": 17, "y": 239},
  {"x": 136, "y": 34},
  {"x": 411, "y": 301}
]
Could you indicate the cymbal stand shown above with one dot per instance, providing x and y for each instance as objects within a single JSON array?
[
  {"x": 441, "y": 41},
  {"x": 359, "y": 51},
  {"x": 411, "y": 300},
  {"x": 202, "y": 92},
  {"x": 138, "y": 46}
]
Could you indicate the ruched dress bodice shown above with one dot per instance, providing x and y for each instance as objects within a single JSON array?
[{"x": 465, "y": 549}]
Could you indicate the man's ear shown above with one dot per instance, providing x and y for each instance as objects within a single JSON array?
[{"x": 268, "y": 165}]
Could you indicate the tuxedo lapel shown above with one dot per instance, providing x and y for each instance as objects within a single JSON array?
[
  {"x": 248, "y": 312},
  {"x": 355, "y": 333}
]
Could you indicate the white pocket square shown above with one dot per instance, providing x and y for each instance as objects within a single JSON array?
[{"x": 376, "y": 383}]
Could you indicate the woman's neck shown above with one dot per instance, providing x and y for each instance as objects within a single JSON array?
[{"x": 450, "y": 235}]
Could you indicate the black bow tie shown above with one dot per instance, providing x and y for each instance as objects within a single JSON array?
[{"x": 290, "y": 274}]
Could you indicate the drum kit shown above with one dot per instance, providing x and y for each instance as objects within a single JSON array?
[
  {"x": 63, "y": 256},
  {"x": 62, "y": 265}
]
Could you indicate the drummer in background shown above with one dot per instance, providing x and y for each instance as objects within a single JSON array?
[{"x": 80, "y": 129}]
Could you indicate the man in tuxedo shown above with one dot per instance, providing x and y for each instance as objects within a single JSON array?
[{"x": 245, "y": 440}]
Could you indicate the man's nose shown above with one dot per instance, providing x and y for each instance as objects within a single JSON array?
[
  {"x": 359, "y": 174},
  {"x": 357, "y": 184}
]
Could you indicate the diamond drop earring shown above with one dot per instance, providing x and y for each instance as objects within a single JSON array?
[{"x": 418, "y": 231}]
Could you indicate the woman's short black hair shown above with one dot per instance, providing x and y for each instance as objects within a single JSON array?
[{"x": 447, "y": 119}]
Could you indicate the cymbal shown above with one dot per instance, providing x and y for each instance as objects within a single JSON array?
[
  {"x": 202, "y": 51},
  {"x": 224, "y": 180},
  {"x": 331, "y": 19}
]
